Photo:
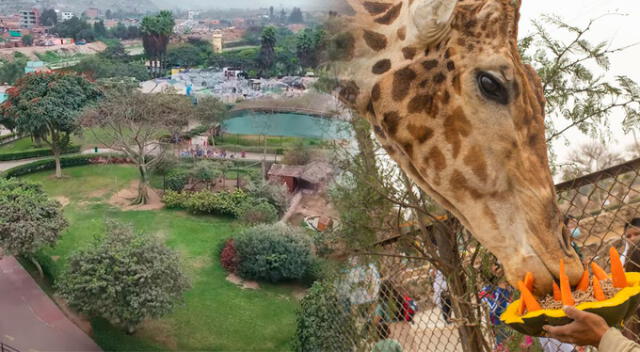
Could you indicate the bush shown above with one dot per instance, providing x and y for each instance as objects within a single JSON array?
[
  {"x": 273, "y": 253},
  {"x": 49, "y": 164},
  {"x": 221, "y": 203},
  {"x": 175, "y": 200},
  {"x": 229, "y": 256},
  {"x": 35, "y": 153},
  {"x": 176, "y": 180},
  {"x": 260, "y": 212},
  {"x": 124, "y": 277},
  {"x": 274, "y": 193},
  {"x": 323, "y": 323}
]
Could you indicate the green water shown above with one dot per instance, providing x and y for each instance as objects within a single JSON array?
[{"x": 288, "y": 125}]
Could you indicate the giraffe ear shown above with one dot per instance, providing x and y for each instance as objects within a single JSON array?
[{"x": 432, "y": 18}]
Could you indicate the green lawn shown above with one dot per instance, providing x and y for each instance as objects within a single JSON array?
[
  {"x": 21, "y": 145},
  {"x": 217, "y": 315}
]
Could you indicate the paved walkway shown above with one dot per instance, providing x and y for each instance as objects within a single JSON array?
[{"x": 29, "y": 320}]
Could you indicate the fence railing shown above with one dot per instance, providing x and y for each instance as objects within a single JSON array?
[
  {"x": 7, "y": 348},
  {"x": 397, "y": 293}
]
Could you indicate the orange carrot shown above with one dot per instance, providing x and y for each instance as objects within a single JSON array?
[
  {"x": 617, "y": 270},
  {"x": 527, "y": 298},
  {"x": 528, "y": 280},
  {"x": 565, "y": 287},
  {"x": 598, "y": 271},
  {"x": 556, "y": 292},
  {"x": 583, "y": 284},
  {"x": 598, "y": 294}
]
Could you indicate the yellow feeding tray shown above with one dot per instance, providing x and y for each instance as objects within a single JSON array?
[{"x": 614, "y": 310}]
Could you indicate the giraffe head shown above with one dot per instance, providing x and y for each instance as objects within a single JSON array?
[{"x": 444, "y": 87}]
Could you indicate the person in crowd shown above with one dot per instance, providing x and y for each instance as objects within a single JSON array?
[
  {"x": 389, "y": 304},
  {"x": 386, "y": 344},
  {"x": 588, "y": 329},
  {"x": 441, "y": 296}
]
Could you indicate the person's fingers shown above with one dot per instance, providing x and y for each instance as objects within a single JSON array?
[{"x": 574, "y": 313}]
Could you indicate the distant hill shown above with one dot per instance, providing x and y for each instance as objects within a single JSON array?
[{"x": 78, "y": 6}]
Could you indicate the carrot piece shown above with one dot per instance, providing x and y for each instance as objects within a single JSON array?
[
  {"x": 617, "y": 270},
  {"x": 527, "y": 298},
  {"x": 598, "y": 294},
  {"x": 565, "y": 287},
  {"x": 521, "y": 307},
  {"x": 528, "y": 280},
  {"x": 583, "y": 284},
  {"x": 598, "y": 271},
  {"x": 556, "y": 292}
]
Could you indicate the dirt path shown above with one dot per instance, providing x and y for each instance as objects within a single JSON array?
[
  {"x": 123, "y": 199},
  {"x": 30, "y": 321}
]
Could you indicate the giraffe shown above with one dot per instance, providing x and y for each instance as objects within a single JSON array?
[{"x": 449, "y": 98}]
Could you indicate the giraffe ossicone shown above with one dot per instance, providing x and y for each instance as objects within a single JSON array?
[{"x": 444, "y": 87}]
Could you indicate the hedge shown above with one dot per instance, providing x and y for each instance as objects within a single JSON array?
[
  {"x": 235, "y": 148},
  {"x": 36, "y": 153},
  {"x": 50, "y": 164}
]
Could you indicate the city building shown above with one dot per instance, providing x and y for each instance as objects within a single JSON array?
[
  {"x": 66, "y": 15},
  {"x": 92, "y": 12},
  {"x": 29, "y": 18}
]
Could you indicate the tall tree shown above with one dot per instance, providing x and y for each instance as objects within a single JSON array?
[
  {"x": 49, "y": 17},
  {"x": 108, "y": 15},
  {"x": 296, "y": 16},
  {"x": 27, "y": 40},
  {"x": 99, "y": 29},
  {"x": 132, "y": 123},
  {"x": 47, "y": 106},
  {"x": 267, "y": 48},
  {"x": 124, "y": 277},
  {"x": 29, "y": 220},
  {"x": 156, "y": 31}
]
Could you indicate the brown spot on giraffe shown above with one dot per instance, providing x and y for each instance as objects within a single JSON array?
[
  {"x": 451, "y": 66},
  {"x": 455, "y": 82},
  {"x": 390, "y": 121},
  {"x": 459, "y": 184},
  {"x": 420, "y": 133},
  {"x": 439, "y": 78},
  {"x": 402, "y": 80},
  {"x": 430, "y": 64},
  {"x": 418, "y": 103},
  {"x": 375, "y": 40},
  {"x": 376, "y": 8},
  {"x": 456, "y": 127},
  {"x": 436, "y": 159},
  {"x": 375, "y": 92},
  {"x": 402, "y": 33},
  {"x": 493, "y": 219},
  {"x": 476, "y": 161},
  {"x": 390, "y": 16},
  {"x": 409, "y": 52},
  {"x": 381, "y": 66},
  {"x": 408, "y": 149}
]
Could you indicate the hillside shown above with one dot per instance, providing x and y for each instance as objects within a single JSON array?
[{"x": 78, "y": 6}]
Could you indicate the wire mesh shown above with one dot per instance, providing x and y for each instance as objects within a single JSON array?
[{"x": 393, "y": 297}]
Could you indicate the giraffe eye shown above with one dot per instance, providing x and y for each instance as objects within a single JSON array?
[{"x": 492, "y": 88}]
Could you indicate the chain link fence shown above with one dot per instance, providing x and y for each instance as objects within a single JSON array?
[{"x": 399, "y": 293}]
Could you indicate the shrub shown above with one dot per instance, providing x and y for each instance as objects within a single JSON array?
[
  {"x": 175, "y": 200},
  {"x": 299, "y": 155},
  {"x": 323, "y": 323},
  {"x": 274, "y": 193},
  {"x": 176, "y": 180},
  {"x": 260, "y": 212},
  {"x": 273, "y": 253},
  {"x": 124, "y": 277},
  {"x": 36, "y": 153},
  {"x": 229, "y": 256},
  {"x": 221, "y": 203}
]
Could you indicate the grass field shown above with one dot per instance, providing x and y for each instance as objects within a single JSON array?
[
  {"x": 21, "y": 145},
  {"x": 217, "y": 315}
]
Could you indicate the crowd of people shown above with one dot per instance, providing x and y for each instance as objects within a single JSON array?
[{"x": 586, "y": 329}]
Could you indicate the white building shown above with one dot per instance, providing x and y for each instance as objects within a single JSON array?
[{"x": 66, "y": 15}]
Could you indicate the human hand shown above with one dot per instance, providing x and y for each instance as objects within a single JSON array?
[{"x": 586, "y": 328}]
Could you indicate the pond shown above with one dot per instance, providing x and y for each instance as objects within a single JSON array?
[{"x": 287, "y": 125}]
